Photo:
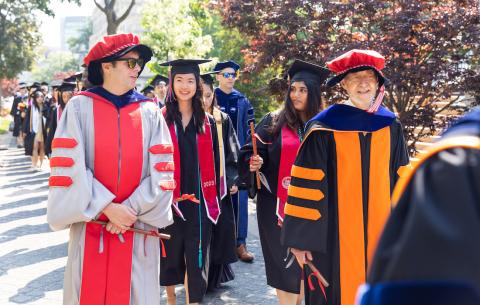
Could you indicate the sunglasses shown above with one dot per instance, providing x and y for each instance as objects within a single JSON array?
[
  {"x": 229, "y": 74},
  {"x": 132, "y": 62}
]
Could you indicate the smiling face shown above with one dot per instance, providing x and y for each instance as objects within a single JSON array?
[
  {"x": 361, "y": 87},
  {"x": 299, "y": 95},
  {"x": 184, "y": 86},
  {"x": 120, "y": 75}
]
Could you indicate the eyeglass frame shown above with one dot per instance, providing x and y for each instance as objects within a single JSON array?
[
  {"x": 138, "y": 61},
  {"x": 233, "y": 75}
]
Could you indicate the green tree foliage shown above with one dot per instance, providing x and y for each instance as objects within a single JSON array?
[
  {"x": 173, "y": 32},
  {"x": 53, "y": 63},
  {"x": 194, "y": 29},
  {"x": 431, "y": 47},
  {"x": 19, "y": 34}
]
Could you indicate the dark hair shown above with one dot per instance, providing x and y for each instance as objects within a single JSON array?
[
  {"x": 61, "y": 102},
  {"x": 288, "y": 115},
  {"x": 171, "y": 104},
  {"x": 214, "y": 101},
  {"x": 35, "y": 95}
]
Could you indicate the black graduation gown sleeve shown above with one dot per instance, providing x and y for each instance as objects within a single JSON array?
[
  {"x": 232, "y": 149},
  {"x": 432, "y": 233},
  {"x": 223, "y": 246},
  {"x": 51, "y": 128},
  {"x": 14, "y": 110},
  {"x": 306, "y": 222},
  {"x": 398, "y": 153},
  {"x": 247, "y": 179},
  {"x": 16, "y": 114}
]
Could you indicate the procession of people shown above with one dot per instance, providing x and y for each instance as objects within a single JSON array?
[{"x": 154, "y": 184}]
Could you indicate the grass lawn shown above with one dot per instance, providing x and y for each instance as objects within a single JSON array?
[{"x": 4, "y": 125}]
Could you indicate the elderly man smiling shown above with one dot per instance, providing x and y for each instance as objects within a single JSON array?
[{"x": 346, "y": 167}]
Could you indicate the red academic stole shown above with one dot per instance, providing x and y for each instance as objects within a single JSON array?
[
  {"x": 290, "y": 145},
  {"x": 206, "y": 162},
  {"x": 107, "y": 263}
]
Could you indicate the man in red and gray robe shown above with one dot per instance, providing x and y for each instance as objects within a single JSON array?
[{"x": 112, "y": 161}]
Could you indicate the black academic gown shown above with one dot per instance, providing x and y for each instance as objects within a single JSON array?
[
  {"x": 51, "y": 128},
  {"x": 429, "y": 252},
  {"x": 339, "y": 196},
  {"x": 223, "y": 248},
  {"x": 15, "y": 112},
  {"x": 185, "y": 252},
  {"x": 278, "y": 276}
]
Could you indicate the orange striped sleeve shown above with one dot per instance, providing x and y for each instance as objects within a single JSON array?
[
  {"x": 305, "y": 193},
  {"x": 307, "y": 173},
  {"x": 301, "y": 212}
]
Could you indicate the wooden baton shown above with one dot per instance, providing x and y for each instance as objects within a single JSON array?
[
  {"x": 255, "y": 153},
  {"x": 150, "y": 233}
]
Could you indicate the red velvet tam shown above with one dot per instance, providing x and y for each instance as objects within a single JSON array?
[
  {"x": 111, "y": 48},
  {"x": 355, "y": 61}
]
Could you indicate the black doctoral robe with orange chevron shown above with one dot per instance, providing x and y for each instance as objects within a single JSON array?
[{"x": 339, "y": 195}]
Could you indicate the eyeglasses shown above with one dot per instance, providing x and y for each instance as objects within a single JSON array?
[
  {"x": 132, "y": 62},
  {"x": 229, "y": 74}
]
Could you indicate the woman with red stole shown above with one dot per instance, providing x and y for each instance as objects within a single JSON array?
[
  {"x": 185, "y": 259},
  {"x": 278, "y": 137}
]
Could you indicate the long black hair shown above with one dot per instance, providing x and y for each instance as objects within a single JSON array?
[
  {"x": 214, "y": 100},
  {"x": 173, "y": 113},
  {"x": 288, "y": 115},
  {"x": 35, "y": 95}
]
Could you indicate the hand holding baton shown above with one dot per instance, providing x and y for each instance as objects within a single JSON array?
[
  {"x": 144, "y": 232},
  {"x": 255, "y": 153}
]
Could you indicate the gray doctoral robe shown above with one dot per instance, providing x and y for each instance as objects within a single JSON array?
[{"x": 71, "y": 207}]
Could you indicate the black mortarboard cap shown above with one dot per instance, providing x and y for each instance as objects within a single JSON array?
[
  {"x": 226, "y": 64},
  {"x": 301, "y": 70},
  {"x": 35, "y": 85},
  {"x": 185, "y": 66},
  {"x": 158, "y": 79},
  {"x": 67, "y": 86},
  {"x": 70, "y": 79},
  {"x": 147, "y": 89},
  {"x": 44, "y": 83},
  {"x": 207, "y": 77},
  {"x": 22, "y": 85}
]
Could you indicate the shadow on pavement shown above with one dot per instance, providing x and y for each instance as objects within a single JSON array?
[
  {"x": 23, "y": 231},
  {"x": 19, "y": 258},
  {"x": 23, "y": 215},
  {"x": 36, "y": 289},
  {"x": 20, "y": 192},
  {"x": 23, "y": 202}
]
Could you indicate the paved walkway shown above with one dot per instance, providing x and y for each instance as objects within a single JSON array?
[{"x": 32, "y": 257}]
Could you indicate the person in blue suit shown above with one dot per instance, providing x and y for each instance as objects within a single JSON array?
[{"x": 241, "y": 113}]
